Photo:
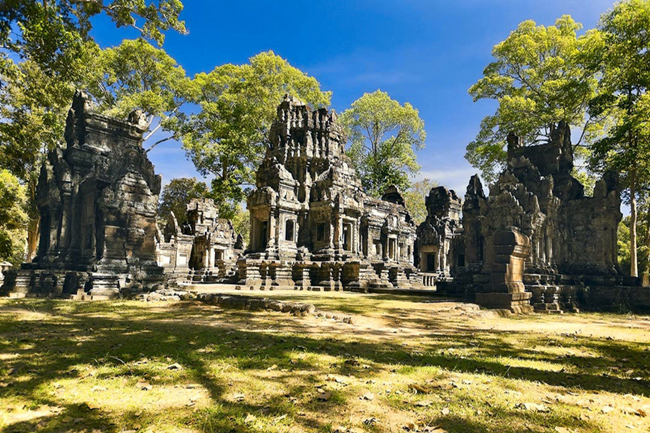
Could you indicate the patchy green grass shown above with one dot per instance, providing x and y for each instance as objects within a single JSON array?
[{"x": 405, "y": 363}]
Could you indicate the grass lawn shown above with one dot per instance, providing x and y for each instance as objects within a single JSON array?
[{"x": 405, "y": 364}]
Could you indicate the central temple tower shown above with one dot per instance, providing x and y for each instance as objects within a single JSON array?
[{"x": 311, "y": 223}]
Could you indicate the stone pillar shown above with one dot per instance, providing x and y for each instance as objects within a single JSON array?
[
  {"x": 443, "y": 257},
  {"x": 249, "y": 273},
  {"x": 301, "y": 275},
  {"x": 272, "y": 232},
  {"x": 327, "y": 282},
  {"x": 331, "y": 236},
  {"x": 336, "y": 277},
  {"x": 254, "y": 241},
  {"x": 510, "y": 249},
  {"x": 66, "y": 221},
  {"x": 401, "y": 280},
  {"x": 282, "y": 275},
  {"x": 339, "y": 233}
]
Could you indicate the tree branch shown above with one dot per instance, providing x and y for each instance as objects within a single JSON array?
[
  {"x": 153, "y": 131},
  {"x": 158, "y": 142}
]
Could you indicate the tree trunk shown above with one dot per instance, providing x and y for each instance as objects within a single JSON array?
[
  {"x": 646, "y": 271},
  {"x": 33, "y": 226},
  {"x": 634, "y": 270},
  {"x": 33, "y": 230}
]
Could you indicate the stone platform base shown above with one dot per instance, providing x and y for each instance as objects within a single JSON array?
[
  {"x": 515, "y": 302},
  {"x": 33, "y": 282},
  {"x": 81, "y": 295}
]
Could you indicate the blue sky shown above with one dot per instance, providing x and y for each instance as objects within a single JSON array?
[{"x": 424, "y": 52}]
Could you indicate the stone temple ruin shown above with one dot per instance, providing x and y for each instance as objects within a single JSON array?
[
  {"x": 204, "y": 249},
  {"x": 439, "y": 235},
  {"x": 97, "y": 200},
  {"x": 536, "y": 242},
  {"x": 312, "y": 226}
]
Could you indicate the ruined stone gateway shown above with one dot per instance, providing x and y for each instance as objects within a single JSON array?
[
  {"x": 97, "y": 200},
  {"x": 439, "y": 235},
  {"x": 312, "y": 226},
  {"x": 204, "y": 249}
]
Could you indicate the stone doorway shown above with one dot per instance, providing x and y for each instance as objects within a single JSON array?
[{"x": 431, "y": 262}]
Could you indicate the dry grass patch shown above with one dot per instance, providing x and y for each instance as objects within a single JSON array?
[{"x": 407, "y": 364}]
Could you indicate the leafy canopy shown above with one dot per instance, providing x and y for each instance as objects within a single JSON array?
[
  {"x": 132, "y": 75},
  {"x": 539, "y": 78},
  {"x": 136, "y": 74},
  {"x": 383, "y": 138},
  {"x": 177, "y": 194},
  {"x": 237, "y": 105},
  {"x": 415, "y": 198},
  {"x": 13, "y": 218},
  {"x": 622, "y": 60},
  {"x": 52, "y": 33}
]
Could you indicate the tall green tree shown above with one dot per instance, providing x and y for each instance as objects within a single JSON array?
[
  {"x": 415, "y": 198},
  {"x": 384, "y": 136},
  {"x": 540, "y": 76},
  {"x": 136, "y": 74},
  {"x": 177, "y": 194},
  {"x": 13, "y": 218},
  {"x": 227, "y": 137},
  {"x": 132, "y": 75},
  {"x": 622, "y": 59},
  {"x": 52, "y": 33}
]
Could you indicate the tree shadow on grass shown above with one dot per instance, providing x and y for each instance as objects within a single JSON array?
[{"x": 80, "y": 334}]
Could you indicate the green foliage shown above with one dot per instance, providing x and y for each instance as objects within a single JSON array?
[
  {"x": 136, "y": 74},
  {"x": 415, "y": 198},
  {"x": 13, "y": 218},
  {"x": 33, "y": 105},
  {"x": 132, "y": 75},
  {"x": 238, "y": 103},
  {"x": 587, "y": 179},
  {"x": 52, "y": 33},
  {"x": 242, "y": 222},
  {"x": 384, "y": 136},
  {"x": 177, "y": 194},
  {"x": 622, "y": 60},
  {"x": 539, "y": 78},
  {"x": 643, "y": 247},
  {"x": 623, "y": 243}
]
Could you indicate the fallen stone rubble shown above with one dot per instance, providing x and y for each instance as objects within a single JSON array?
[
  {"x": 241, "y": 302},
  {"x": 166, "y": 295},
  {"x": 253, "y": 303}
]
